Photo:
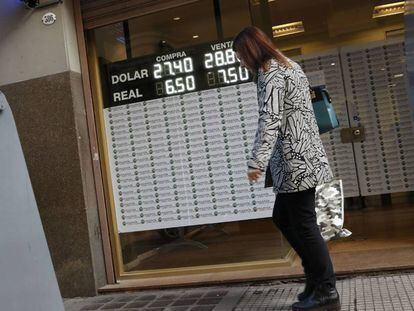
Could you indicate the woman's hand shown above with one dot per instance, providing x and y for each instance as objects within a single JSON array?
[{"x": 253, "y": 174}]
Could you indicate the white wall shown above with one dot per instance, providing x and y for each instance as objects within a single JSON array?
[{"x": 29, "y": 49}]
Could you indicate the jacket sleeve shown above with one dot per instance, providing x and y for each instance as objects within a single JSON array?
[{"x": 272, "y": 90}]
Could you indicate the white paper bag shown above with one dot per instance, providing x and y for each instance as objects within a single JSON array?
[{"x": 329, "y": 205}]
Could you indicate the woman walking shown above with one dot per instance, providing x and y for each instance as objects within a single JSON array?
[{"x": 288, "y": 145}]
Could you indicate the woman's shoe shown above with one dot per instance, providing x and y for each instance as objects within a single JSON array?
[
  {"x": 323, "y": 298},
  {"x": 309, "y": 288}
]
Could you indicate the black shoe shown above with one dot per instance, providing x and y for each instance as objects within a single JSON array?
[
  {"x": 323, "y": 298},
  {"x": 309, "y": 288}
]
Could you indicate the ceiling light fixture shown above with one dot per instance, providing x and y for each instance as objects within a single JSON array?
[
  {"x": 256, "y": 2},
  {"x": 177, "y": 18},
  {"x": 389, "y": 9},
  {"x": 195, "y": 36},
  {"x": 288, "y": 29}
]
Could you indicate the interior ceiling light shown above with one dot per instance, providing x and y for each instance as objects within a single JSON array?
[
  {"x": 195, "y": 36},
  {"x": 288, "y": 29},
  {"x": 389, "y": 9},
  {"x": 256, "y": 2},
  {"x": 177, "y": 18}
]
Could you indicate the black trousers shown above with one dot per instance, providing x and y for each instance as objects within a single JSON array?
[{"x": 294, "y": 214}]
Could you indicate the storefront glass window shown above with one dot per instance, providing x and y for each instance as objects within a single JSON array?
[
  {"x": 355, "y": 48},
  {"x": 232, "y": 242}
]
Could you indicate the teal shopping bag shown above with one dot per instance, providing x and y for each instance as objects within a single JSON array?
[{"x": 324, "y": 111}]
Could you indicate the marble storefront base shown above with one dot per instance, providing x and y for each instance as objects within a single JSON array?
[{"x": 50, "y": 118}]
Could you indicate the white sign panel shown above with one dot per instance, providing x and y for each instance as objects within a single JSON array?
[{"x": 181, "y": 160}]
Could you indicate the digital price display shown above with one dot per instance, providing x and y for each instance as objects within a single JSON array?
[{"x": 192, "y": 69}]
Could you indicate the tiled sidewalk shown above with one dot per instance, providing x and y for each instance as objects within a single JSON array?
[
  {"x": 385, "y": 292},
  {"x": 189, "y": 299}
]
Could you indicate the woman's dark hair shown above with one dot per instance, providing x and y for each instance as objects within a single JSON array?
[{"x": 256, "y": 48}]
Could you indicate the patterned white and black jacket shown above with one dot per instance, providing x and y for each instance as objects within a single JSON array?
[{"x": 287, "y": 141}]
